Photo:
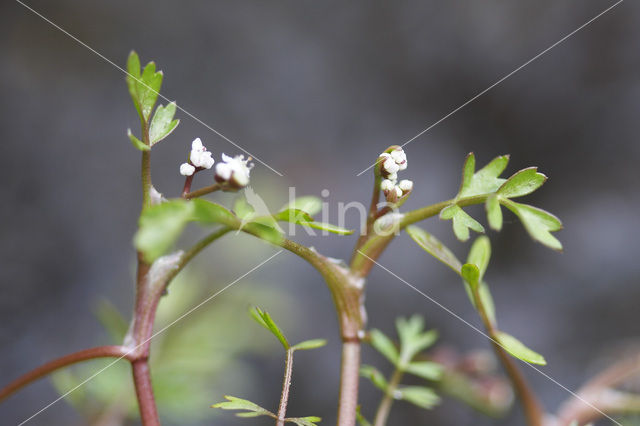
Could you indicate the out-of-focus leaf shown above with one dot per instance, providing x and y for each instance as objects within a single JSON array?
[
  {"x": 207, "y": 212},
  {"x": 112, "y": 320},
  {"x": 485, "y": 180},
  {"x": 137, "y": 143},
  {"x": 309, "y": 344},
  {"x": 162, "y": 123},
  {"x": 309, "y": 204},
  {"x": 537, "y": 222},
  {"x": 412, "y": 338},
  {"x": 144, "y": 88},
  {"x": 304, "y": 421},
  {"x": 251, "y": 409},
  {"x": 516, "y": 348},
  {"x": 494, "y": 212},
  {"x": 522, "y": 183},
  {"x": 480, "y": 254},
  {"x": 160, "y": 226},
  {"x": 461, "y": 221},
  {"x": 421, "y": 396},
  {"x": 434, "y": 247},
  {"x": 376, "y": 377},
  {"x": 425, "y": 369},
  {"x": 362, "y": 421},
  {"x": 384, "y": 345},
  {"x": 264, "y": 319}
]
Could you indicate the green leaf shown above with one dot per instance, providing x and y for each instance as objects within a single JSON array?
[
  {"x": 471, "y": 274},
  {"x": 425, "y": 369},
  {"x": 538, "y": 223},
  {"x": 522, "y": 183},
  {"x": 480, "y": 254},
  {"x": 375, "y": 376},
  {"x": 309, "y": 204},
  {"x": 362, "y": 421},
  {"x": 412, "y": 338},
  {"x": 421, "y": 396},
  {"x": 208, "y": 212},
  {"x": 264, "y": 231},
  {"x": 434, "y": 247},
  {"x": 485, "y": 180},
  {"x": 160, "y": 226},
  {"x": 144, "y": 88},
  {"x": 301, "y": 217},
  {"x": 472, "y": 280},
  {"x": 252, "y": 410},
  {"x": 304, "y": 421},
  {"x": 137, "y": 143},
  {"x": 309, "y": 344},
  {"x": 461, "y": 221},
  {"x": 265, "y": 320},
  {"x": 516, "y": 348},
  {"x": 163, "y": 123},
  {"x": 384, "y": 345},
  {"x": 494, "y": 212}
]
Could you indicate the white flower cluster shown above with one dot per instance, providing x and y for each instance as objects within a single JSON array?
[
  {"x": 392, "y": 163},
  {"x": 234, "y": 171},
  {"x": 199, "y": 158}
]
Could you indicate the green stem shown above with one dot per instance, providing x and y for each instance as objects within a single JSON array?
[
  {"x": 286, "y": 386},
  {"x": 387, "y": 400},
  {"x": 202, "y": 191}
]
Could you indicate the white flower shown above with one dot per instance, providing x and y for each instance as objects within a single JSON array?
[
  {"x": 234, "y": 170},
  {"x": 405, "y": 185},
  {"x": 400, "y": 157},
  {"x": 398, "y": 191},
  {"x": 386, "y": 185},
  {"x": 186, "y": 169},
  {"x": 390, "y": 166},
  {"x": 199, "y": 156}
]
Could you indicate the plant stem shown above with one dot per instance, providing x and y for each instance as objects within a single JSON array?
[
  {"x": 144, "y": 392},
  {"x": 286, "y": 385},
  {"x": 387, "y": 400},
  {"x": 65, "y": 361},
  {"x": 533, "y": 411},
  {"x": 349, "y": 377},
  {"x": 202, "y": 191}
]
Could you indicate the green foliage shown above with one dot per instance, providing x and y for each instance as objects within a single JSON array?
[
  {"x": 362, "y": 421},
  {"x": 434, "y": 247},
  {"x": 137, "y": 143},
  {"x": 249, "y": 409},
  {"x": 421, "y": 396},
  {"x": 425, "y": 369},
  {"x": 163, "y": 123},
  {"x": 144, "y": 87},
  {"x": 265, "y": 320},
  {"x": 309, "y": 344},
  {"x": 304, "y": 421},
  {"x": 498, "y": 191},
  {"x": 518, "y": 349},
  {"x": 461, "y": 221},
  {"x": 376, "y": 377},
  {"x": 413, "y": 338},
  {"x": 384, "y": 345},
  {"x": 301, "y": 217},
  {"x": 308, "y": 203}
]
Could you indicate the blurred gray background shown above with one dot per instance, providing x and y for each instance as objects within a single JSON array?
[{"x": 317, "y": 90}]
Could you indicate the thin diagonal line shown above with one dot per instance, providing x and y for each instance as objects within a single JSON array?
[
  {"x": 141, "y": 82},
  {"x": 154, "y": 335},
  {"x": 449, "y": 311},
  {"x": 563, "y": 39}
]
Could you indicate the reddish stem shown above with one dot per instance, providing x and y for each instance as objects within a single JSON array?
[
  {"x": 56, "y": 364},
  {"x": 144, "y": 392}
]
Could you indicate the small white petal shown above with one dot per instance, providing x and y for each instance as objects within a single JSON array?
[
  {"x": 399, "y": 156},
  {"x": 241, "y": 179},
  {"x": 398, "y": 191},
  {"x": 226, "y": 158},
  {"x": 196, "y": 145},
  {"x": 186, "y": 169},
  {"x": 390, "y": 166},
  {"x": 223, "y": 171},
  {"x": 393, "y": 177},
  {"x": 405, "y": 185},
  {"x": 386, "y": 185},
  {"x": 403, "y": 166}
]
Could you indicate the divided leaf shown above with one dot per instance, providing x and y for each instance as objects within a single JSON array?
[
  {"x": 412, "y": 338},
  {"x": 144, "y": 87},
  {"x": 137, "y": 143},
  {"x": 421, "y": 396},
  {"x": 376, "y": 377},
  {"x": 461, "y": 221},
  {"x": 162, "y": 123},
  {"x": 425, "y": 369},
  {"x": 303, "y": 421},
  {"x": 538, "y": 223},
  {"x": 517, "y": 349},
  {"x": 251, "y": 409},
  {"x": 485, "y": 180},
  {"x": 265, "y": 320},
  {"x": 434, "y": 247},
  {"x": 301, "y": 217}
]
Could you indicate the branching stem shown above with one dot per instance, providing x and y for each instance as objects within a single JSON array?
[{"x": 387, "y": 400}]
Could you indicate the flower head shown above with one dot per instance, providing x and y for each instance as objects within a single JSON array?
[
  {"x": 199, "y": 156},
  {"x": 392, "y": 162},
  {"x": 187, "y": 169},
  {"x": 405, "y": 185},
  {"x": 234, "y": 171}
]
